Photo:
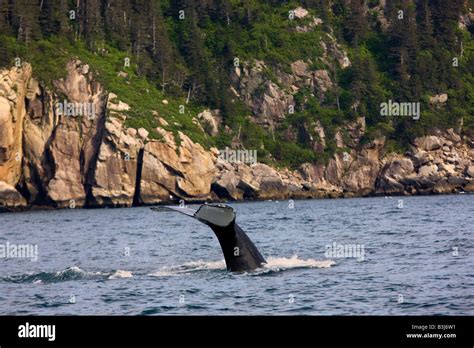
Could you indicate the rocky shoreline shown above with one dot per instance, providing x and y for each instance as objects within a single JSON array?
[{"x": 58, "y": 161}]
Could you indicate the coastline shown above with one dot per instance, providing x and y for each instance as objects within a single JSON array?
[
  {"x": 42, "y": 208},
  {"x": 56, "y": 161}
]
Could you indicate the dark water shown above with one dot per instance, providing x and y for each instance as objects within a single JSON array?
[{"x": 410, "y": 265}]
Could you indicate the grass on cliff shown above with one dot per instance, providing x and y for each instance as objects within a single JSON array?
[{"x": 49, "y": 58}]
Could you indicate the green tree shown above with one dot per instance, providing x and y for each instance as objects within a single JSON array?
[{"x": 356, "y": 25}]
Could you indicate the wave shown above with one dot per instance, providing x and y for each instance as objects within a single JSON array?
[
  {"x": 188, "y": 267},
  {"x": 120, "y": 274},
  {"x": 274, "y": 264},
  {"x": 68, "y": 274},
  {"x": 283, "y": 263}
]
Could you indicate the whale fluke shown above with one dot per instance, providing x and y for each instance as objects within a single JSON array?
[{"x": 240, "y": 253}]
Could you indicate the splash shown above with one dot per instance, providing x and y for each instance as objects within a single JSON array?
[
  {"x": 120, "y": 274},
  {"x": 282, "y": 263},
  {"x": 189, "y": 267},
  {"x": 68, "y": 274},
  {"x": 274, "y": 264}
]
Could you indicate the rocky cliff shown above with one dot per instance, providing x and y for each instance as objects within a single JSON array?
[
  {"x": 54, "y": 159},
  {"x": 51, "y": 158}
]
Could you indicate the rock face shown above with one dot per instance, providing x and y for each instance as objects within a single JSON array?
[
  {"x": 428, "y": 143},
  {"x": 363, "y": 170},
  {"x": 49, "y": 157},
  {"x": 15, "y": 86},
  {"x": 439, "y": 99},
  {"x": 115, "y": 176},
  {"x": 434, "y": 165},
  {"x": 394, "y": 169},
  {"x": 166, "y": 173},
  {"x": 13, "y": 91},
  {"x": 272, "y": 100},
  {"x": 333, "y": 49},
  {"x": 10, "y": 198},
  {"x": 65, "y": 155},
  {"x": 240, "y": 181},
  {"x": 211, "y": 120}
]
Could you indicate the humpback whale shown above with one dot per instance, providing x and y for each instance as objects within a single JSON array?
[{"x": 240, "y": 253}]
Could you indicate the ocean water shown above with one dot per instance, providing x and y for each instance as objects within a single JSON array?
[{"x": 409, "y": 257}]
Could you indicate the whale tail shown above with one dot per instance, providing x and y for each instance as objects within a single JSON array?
[{"x": 240, "y": 253}]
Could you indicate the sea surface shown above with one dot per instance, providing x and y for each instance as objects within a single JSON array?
[{"x": 410, "y": 256}]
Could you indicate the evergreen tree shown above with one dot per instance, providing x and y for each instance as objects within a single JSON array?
[
  {"x": 92, "y": 19},
  {"x": 25, "y": 16},
  {"x": 445, "y": 17},
  {"x": 5, "y": 16},
  {"x": 356, "y": 25},
  {"x": 403, "y": 43},
  {"x": 117, "y": 23},
  {"x": 162, "y": 49},
  {"x": 424, "y": 24}
]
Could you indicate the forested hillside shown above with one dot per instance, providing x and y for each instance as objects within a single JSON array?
[
  {"x": 186, "y": 52},
  {"x": 131, "y": 102}
]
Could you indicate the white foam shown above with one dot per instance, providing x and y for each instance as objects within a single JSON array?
[
  {"x": 198, "y": 265},
  {"x": 73, "y": 269},
  {"x": 188, "y": 267},
  {"x": 281, "y": 263},
  {"x": 273, "y": 264},
  {"x": 121, "y": 274}
]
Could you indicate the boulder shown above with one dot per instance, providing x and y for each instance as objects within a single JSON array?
[
  {"x": 300, "y": 69},
  {"x": 469, "y": 187},
  {"x": 212, "y": 119},
  {"x": 225, "y": 186},
  {"x": 458, "y": 181},
  {"x": 270, "y": 183},
  {"x": 448, "y": 168},
  {"x": 300, "y": 12},
  {"x": 443, "y": 187},
  {"x": 470, "y": 171},
  {"x": 421, "y": 158},
  {"x": 428, "y": 170},
  {"x": 188, "y": 175},
  {"x": 439, "y": 99},
  {"x": 420, "y": 184},
  {"x": 10, "y": 198},
  {"x": 322, "y": 83},
  {"x": 132, "y": 132},
  {"x": 163, "y": 122},
  {"x": 429, "y": 143},
  {"x": 453, "y": 136},
  {"x": 398, "y": 168},
  {"x": 143, "y": 133}
]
